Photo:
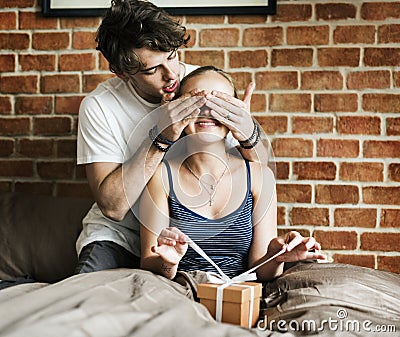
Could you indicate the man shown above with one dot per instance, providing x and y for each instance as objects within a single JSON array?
[{"x": 140, "y": 42}]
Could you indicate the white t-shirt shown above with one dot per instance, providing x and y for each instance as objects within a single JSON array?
[{"x": 108, "y": 117}]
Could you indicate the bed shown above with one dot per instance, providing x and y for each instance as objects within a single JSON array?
[{"x": 45, "y": 299}]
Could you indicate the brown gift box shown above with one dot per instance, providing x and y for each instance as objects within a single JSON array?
[{"x": 235, "y": 301}]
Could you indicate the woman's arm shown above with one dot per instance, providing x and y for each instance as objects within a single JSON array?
[
  {"x": 162, "y": 247},
  {"x": 264, "y": 222}
]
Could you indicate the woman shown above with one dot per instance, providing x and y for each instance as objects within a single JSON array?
[{"x": 207, "y": 194}]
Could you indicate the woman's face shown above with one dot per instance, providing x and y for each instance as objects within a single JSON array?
[{"x": 204, "y": 124}]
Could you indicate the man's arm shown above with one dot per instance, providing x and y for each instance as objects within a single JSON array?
[{"x": 116, "y": 187}]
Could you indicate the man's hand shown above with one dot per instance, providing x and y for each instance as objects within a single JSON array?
[{"x": 175, "y": 115}]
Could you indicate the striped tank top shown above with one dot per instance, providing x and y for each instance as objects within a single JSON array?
[{"x": 225, "y": 240}]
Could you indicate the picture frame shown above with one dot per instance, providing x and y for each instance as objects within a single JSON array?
[{"x": 180, "y": 7}]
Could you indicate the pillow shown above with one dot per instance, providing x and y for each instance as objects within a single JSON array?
[{"x": 38, "y": 234}]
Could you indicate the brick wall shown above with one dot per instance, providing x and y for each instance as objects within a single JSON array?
[{"x": 327, "y": 94}]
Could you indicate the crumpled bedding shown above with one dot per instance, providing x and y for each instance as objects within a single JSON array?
[{"x": 131, "y": 302}]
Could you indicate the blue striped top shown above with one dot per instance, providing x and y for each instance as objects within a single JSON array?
[{"x": 226, "y": 240}]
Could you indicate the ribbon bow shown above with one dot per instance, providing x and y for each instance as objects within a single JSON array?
[{"x": 225, "y": 281}]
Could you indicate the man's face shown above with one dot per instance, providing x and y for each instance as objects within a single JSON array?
[{"x": 160, "y": 74}]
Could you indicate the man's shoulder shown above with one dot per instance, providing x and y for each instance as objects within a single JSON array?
[{"x": 189, "y": 68}]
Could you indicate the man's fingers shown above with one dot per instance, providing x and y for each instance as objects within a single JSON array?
[{"x": 248, "y": 93}]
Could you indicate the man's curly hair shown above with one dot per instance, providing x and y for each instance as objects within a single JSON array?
[{"x": 134, "y": 24}]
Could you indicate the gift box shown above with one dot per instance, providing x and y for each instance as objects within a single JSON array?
[{"x": 238, "y": 307}]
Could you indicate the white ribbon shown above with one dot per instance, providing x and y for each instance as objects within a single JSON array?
[{"x": 225, "y": 281}]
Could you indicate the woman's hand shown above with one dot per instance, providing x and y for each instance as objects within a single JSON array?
[
  {"x": 232, "y": 112},
  {"x": 297, "y": 248},
  {"x": 171, "y": 245}
]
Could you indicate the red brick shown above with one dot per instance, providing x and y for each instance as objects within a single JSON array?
[
  {"x": 103, "y": 63},
  {"x": 335, "y": 102},
  {"x": 52, "y": 126},
  {"x": 389, "y": 263},
  {"x": 205, "y": 19},
  {"x": 379, "y": 10},
  {"x": 6, "y": 147},
  {"x": 311, "y": 125},
  {"x": 331, "y": 11},
  {"x": 314, "y": 170},
  {"x": 205, "y": 57},
  {"x": 8, "y": 20},
  {"x": 355, "y": 217},
  {"x": 68, "y": 104},
  {"x": 299, "y": 57},
  {"x": 16, "y": 168},
  {"x": 66, "y": 148},
  {"x": 361, "y": 171},
  {"x": 389, "y": 34},
  {"x": 59, "y": 83},
  {"x": 383, "y": 242},
  {"x": 7, "y": 63},
  {"x": 282, "y": 170},
  {"x": 281, "y": 216},
  {"x": 40, "y": 188},
  {"x": 73, "y": 190},
  {"x": 84, "y": 22},
  {"x": 341, "y": 240},
  {"x": 396, "y": 78},
  {"x": 382, "y": 57},
  {"x": 14, "y": 126},
  {"x": 265, "y": 36},
  {"x": 381, "y": 195},
  {"x": 381, "y": 149},
  {"x": 36, "y": 148},
  {"x": 19, "y": 84},
  {"x": 302, "y": 231},
  {"x": 361, "y": 125},
  {"x": 14, "y": 41},
  {"x": 55, "y": 170},
  {"x": 50, "y": 41},
  {"x": 16, "y": 3},
  {"x": 394, "y": 172},
  {"x": 241, "y": 79},
  {"x": 393, "y": 126},
  {"x": 336, "y": 194},
  {"x": 84, "y": 40},
  {"x": 221, "y": 37},
  {"x": 272, "y": 80},
  {"x": 33, "y": 105},
  {"x": 339, "y": 57},
  {"x": 321, "y": 80},
  {"x": 90, "y": 82},
  {"x": 390, "y": 218},
  {"x": 191, "y": 34},
  {"x": 80, "y": 172},
  {"x": 294, "y": 193},
  {"x": 292, "y": 147},
  {"x": 248, "y": 58},
  {"x": 290, "y": 103},
  {"x": 35, "y": 20},
  {"x": 243, "y": 18},
  {"x": 5, "y": 105},
  {"x": 37, "y": 62},
  {"x": 292, "y": 12},
  {"x": 5, "y": 186},
  {"x": 258, "y": 103},
  {"x": 354, "y": 34},
  {"x": 341, "y": 148},
  {"x": 308, "y": 35},
  {"x": 309, "y": 216},
  {"x": 273, "y": 124},
  {"x": 381, "y": 103},
  {"x": 379, "y": 79},
  {"x": 367, "y": 261},
  {"x": 81, "y": 62}
]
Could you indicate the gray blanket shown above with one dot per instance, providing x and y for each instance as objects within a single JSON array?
[{"x": 126, "y": 302}]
